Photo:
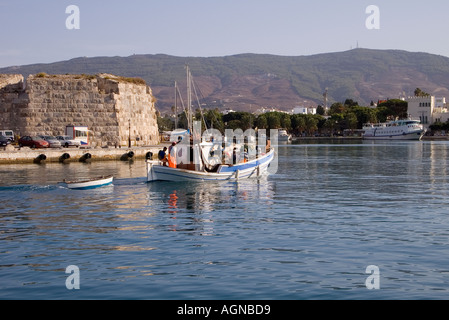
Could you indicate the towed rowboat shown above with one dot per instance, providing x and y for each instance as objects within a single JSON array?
[{"x": 89, "y": 183}]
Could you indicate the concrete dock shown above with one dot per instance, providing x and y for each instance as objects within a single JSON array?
[{"x": 12, "y": 155}]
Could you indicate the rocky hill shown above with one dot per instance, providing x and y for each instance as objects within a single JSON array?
[{"x": 250, "y": 81}]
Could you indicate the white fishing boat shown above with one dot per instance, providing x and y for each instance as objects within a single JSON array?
[
  {"x": 89, "y": 183},
  {"x": 394, "y": 130},
  {"x": 284, "y": 135},
  {"x": 197, "y": 156},
  {"x": 209, "y": 168}
]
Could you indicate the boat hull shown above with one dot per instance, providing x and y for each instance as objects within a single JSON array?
[
  {"x": 406, "y": 129},
  {"x": 254, "y": 168},
  {"x": 408, "y": 136},
  {"x": 284, "y": 138},
  {"x": 90, "y": 184}
]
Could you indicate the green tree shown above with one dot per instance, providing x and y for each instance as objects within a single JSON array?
[
  {"x": 330, "y": 125},
  {"x": 320, "y": 110},
  {"x": 214, "y": 119},
  {"x": 234, "y": 124},
  {"x": 351, "y": 103},
  {"x": 286, "y": 121},
  {"x": 273, "y": 120},
  {"x": 311, "y": 124},
  {"x": 182, "y": 121},
  {"x": 420, "y": 93},
  {"x": 336, "y": 122},
  {"x": 364, "y": 115},
  {"x": 247, "y": 120},
  {"x": 337, "y": 107},
  {"x": 165, "y": 124},
  {"x": 351, "y": 121},
  {"x": 262, "y": 122},
  {"x": 437, "y": 126},
  {"x": 393, "y": 108},
  {"x": 298, "y": 123}
]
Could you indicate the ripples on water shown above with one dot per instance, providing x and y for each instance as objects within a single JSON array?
[{"x": 307, "y": 232}]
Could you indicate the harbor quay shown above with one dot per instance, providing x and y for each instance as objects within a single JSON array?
[{"x": 24, "y": 155}]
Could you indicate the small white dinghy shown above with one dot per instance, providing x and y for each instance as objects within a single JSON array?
[{"x": 89, "y": 183}]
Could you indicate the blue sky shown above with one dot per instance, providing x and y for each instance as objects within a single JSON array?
[{"x": 35, "y": 31}]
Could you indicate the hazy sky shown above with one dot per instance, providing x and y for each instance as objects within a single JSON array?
[{"x": 35, "y": 31}]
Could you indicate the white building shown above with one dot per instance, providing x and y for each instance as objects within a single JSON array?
[
  {"x": 227, "y": 111},
  {"x": 304, "y": 110},
  {"x": 428, "y": 109}
]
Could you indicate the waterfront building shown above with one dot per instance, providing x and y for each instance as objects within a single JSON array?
[{"x": 429, "y": 109}]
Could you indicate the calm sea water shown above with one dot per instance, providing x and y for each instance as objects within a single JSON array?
[{"x": 307, "y": 232}]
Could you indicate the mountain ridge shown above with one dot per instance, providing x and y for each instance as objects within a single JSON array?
[{"x": 250, "y": 81}]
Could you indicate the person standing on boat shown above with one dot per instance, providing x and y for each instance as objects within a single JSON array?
[
  {"x": 234, "y": 156},
  {"x": 172, "y": 150}
]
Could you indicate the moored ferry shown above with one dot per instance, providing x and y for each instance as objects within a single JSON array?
[
  {"x": 284, "y": 135},
  {"x": 394, "y": 130}
]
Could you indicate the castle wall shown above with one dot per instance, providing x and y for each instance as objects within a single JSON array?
[
  {"x": 112, "y": 107},
  {"x": 11, "y": 99}
]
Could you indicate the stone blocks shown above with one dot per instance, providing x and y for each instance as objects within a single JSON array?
[{"x": 114, "y": 108}]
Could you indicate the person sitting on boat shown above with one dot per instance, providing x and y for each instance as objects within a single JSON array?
[{"x": 162, "y": 156}]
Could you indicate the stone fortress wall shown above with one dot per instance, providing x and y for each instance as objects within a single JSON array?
[{"x": 114, "y": 108}]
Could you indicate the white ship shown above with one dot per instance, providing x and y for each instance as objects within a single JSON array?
[
  {"x": 394, "y": 130},
  {"x": 284, "y": 136}
]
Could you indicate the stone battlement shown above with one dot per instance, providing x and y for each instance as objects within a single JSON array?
[{"x": 112, "y": 107}]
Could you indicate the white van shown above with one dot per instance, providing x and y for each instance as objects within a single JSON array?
[
  {"x": 8, "y": 134},
  {"x": 77, "y": 133}
]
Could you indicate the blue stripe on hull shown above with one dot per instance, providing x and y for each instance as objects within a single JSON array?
[{"x": 245, "y": 166}]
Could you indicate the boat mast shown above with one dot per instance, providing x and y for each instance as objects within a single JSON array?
[
  {"x": 189, "y": 99},
  {"x": 176, "y": 105}
]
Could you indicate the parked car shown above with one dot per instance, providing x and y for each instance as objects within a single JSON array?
[
  {"x": 9, "y": 134},
  {"x": 54, "y": 143},
  {"x": 67, "y": 141},
  {"x": 33, "y": 142},
  {"x": 4, "y": 141}
]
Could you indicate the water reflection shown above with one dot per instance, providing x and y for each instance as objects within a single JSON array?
[
  {"x": 370, "y": 171},
  {"x": 194, "y": 207}
]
